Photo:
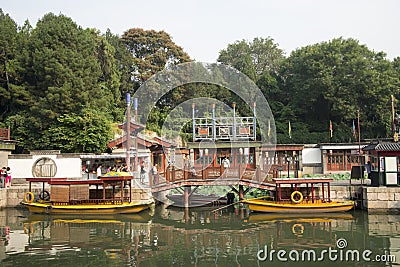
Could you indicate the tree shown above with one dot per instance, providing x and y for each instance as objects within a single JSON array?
[
  {"x": 254, "y": 58},
  {"x": 8, "y": 40},
  {"x": 66, "y": 70},
  {"x": 331, "y": 81},
  {"x": 152, "y": 51},
  {"x": 81, "y": 132},
  {"x": 260, "y": 60},
  {"x": 125, "y": 67}
]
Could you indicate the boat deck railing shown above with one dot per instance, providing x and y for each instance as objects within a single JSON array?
[
  {"x": 305, "y": 200},
  {"x": 91, "y": 202}
]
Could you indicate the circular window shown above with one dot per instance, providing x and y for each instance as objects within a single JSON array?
[{"x": 44, "y": 167}]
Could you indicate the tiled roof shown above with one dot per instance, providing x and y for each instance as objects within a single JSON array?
[{"x": 383, "y": 147}]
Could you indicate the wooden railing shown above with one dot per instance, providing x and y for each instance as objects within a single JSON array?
[{"x": 208, "y": 174}]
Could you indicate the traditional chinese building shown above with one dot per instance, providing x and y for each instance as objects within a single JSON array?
[{"x": 224, "y": 151}]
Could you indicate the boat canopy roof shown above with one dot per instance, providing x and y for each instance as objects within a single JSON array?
[{"x": 301, "y": 180}]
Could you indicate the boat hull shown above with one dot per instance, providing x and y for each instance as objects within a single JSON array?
[
  {"x": 259, "y": 205},
  {"x": 197, "y": 200},
  {"x": 124, "y": 208}
]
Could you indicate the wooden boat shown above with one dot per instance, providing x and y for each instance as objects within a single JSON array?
[
  {"x": 198, "y": 200},
  {"x": 297, "y": 195},
  {"x": 90, "y": 208},
  {"x": 76, "y": 197}
]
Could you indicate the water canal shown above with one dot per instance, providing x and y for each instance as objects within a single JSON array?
[{"x": 198, "y": 237}]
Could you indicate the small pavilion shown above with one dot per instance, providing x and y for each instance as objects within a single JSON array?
[{"x": 384, "y": 159}]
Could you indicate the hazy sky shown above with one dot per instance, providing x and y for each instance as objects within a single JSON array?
[{"x": 205, "y": 27}]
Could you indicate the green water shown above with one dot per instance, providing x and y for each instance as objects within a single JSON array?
[{"x": 198, "y": 237}]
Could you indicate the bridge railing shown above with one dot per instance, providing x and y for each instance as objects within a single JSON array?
[{"x": 210, "y": 173}]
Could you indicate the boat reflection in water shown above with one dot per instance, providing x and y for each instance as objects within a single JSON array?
[
  {"x": 117, "y": 237},
  {"x": 304, "y": 231},
  {"x": 188, "y": 237}
]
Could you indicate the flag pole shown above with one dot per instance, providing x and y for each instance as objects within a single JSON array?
[
  {"x": 128, "y": 132},
  {"x": 329, "y": 133},
  {"x": 358, "y": 124},
  {"x": 359, "y": 139},
  {"x": 392, "y": 114}
]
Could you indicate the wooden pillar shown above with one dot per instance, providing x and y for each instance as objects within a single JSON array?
[
  {"x": 167, "y": 174},
  {"x": 187, "y": 216},
  {"x": 130, "y": 190},
  {"x": 122, "y": 190},
  {"x": 187, "y": 193},
  {"x": 307, "y": 192},
  {"x": 113, "y": 193},
  {"x": 329, "y": 192},
  {"x": 323, "y": 192},
  {"x": 312, "y": 192},
  {"x": 279, "y": 193},
  {"x": 241, "y": 192}
]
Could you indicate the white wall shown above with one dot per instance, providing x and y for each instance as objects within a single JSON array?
[
  {"x": 4, "y": 158},
  {"x": 311, "y": 156},
  {"x": 21, "y": 167}
]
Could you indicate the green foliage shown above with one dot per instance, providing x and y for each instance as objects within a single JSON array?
[
  {"x": 62, "y": 76},
  {"x": 88, "y": 132},
  {"x": 62, "y": 86},
  {"x": 152, "y": 51},
  {"x": 8, "y": 46}
]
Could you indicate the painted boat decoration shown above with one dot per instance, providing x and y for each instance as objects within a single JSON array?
[
  {"x": 110, "y": 196},
  {"x": 298, "y": 195}
]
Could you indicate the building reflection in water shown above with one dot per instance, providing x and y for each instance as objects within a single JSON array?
[{"x": 191, "y": 237}]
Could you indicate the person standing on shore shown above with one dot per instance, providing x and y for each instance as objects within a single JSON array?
[
  {"x": 3, "y": 175},
  {"x": 99, "y": 171},
  {"x": 8, "y": 177},
  {"x": 142, "y": 173}
]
